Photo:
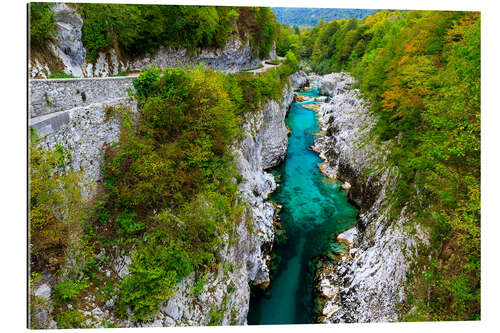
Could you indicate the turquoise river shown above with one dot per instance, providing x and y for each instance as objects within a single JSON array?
[{"x": 314, "y": 212}]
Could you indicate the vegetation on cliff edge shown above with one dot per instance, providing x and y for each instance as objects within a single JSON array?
[{"x": 137, "y": 29}]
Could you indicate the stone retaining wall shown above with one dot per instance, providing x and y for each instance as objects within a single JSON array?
[
  {"x": 54, "y": 95},
  {"x": 71, "y": 113}
]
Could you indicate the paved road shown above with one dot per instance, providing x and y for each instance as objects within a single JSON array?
[{"x": 266, "y": 66}]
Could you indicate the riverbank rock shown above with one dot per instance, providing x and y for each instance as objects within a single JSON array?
[
  {"x": 348, "y": 237},
  {"x": 346, "y": 186},
  {"x": 371, "y": 279},
  {"x": 334, "y": 84},
  {"x": 300, "y": 98}
]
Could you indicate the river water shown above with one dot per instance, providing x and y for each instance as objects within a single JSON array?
[{"x": 314, "y": 212}]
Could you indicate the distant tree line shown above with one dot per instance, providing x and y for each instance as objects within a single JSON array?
[{"x": 311, "y": 16}]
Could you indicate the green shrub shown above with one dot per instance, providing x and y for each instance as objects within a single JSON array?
[
  {"x": 66, "y": 291},
  {"x": 41, "y": 24},
  {"x": 198, "y": 287},
  {"x": 215, "y": 316},
  {"x": 56, "y": 206},
  {"x": 60, "y": 75},
  {"x": 129, "y": 225},
  {"x": 170, "y": 179},
  {"x": 70, "y": 319}
]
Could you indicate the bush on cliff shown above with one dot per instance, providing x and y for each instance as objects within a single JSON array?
[
  {"x": 57, "y": 209},
  {"x": 42, "y": 26},
  {"x": 174, "y": 172},
  {"x": 173, "y": 175}
]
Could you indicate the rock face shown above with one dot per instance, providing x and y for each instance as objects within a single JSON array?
[
  {"x": 68, "y": 48},
  {"x": 234, "y": 57},
  {"x": 334, "y": 84},
  {"x": 367, "y": 284},
  {"x": 275, "y": 142}
]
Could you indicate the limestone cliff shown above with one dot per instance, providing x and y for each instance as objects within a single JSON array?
[
  {"x": 367, "y": 284},
  {"x": 68, "y": 51}
]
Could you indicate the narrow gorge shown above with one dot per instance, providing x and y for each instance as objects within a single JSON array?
[
  {"x": 312, "y": 211},
  {"x": 207, "y": 166}
]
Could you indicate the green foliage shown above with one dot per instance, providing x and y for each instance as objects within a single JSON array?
[
  {"x": 198, "y": 287},
  {"x": 248, "y": 92},
  {"x": 292, "y": 59},
  {"x": 60, "y": 75},
  {"x": 66, "y": 291},
  {"x": 56, "y": 205},
  {"x": 63, "y": 157},
  {"x": 421, "y": 71},
  {"x": 215, "y": 316},
  {"x": 41, "y": 24},
  {"x": 129, "y": 225},
  {"x": 264, "y": 35},
  {"x": 70, "y": 319},
  {"x": 287, "y": 39},
  {"x": 137, "y": 29},
  {"x": 169, "y": 184}
]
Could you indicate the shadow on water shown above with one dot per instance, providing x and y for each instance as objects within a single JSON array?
[{"x": 314, "y": 211}]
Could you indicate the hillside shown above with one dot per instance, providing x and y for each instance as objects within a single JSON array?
[
  {"x": 107, "y": 39},
  {"x": 311, "y": 16}
]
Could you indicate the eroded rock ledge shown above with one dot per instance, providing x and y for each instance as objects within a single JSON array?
[{"x": 367, "y": 284}]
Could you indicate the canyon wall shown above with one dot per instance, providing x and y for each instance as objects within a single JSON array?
[
  {"x": 368, "y": 283},
  {"x": 84, "y": 130},
  {"x": 68, "y": 54}
]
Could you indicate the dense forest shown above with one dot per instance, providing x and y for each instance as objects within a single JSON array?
[
  {"x": 421, "y": 72},
  {"x": 169, "y": 190},
  {"x": 311, "y": 16}
]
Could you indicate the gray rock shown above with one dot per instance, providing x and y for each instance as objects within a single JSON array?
[
  {"x": 335, "y": 83},
  {"x": 235, "y": 56},
  {"x": 43, "y": 291},
  {"x": 69, "y": 39}
]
